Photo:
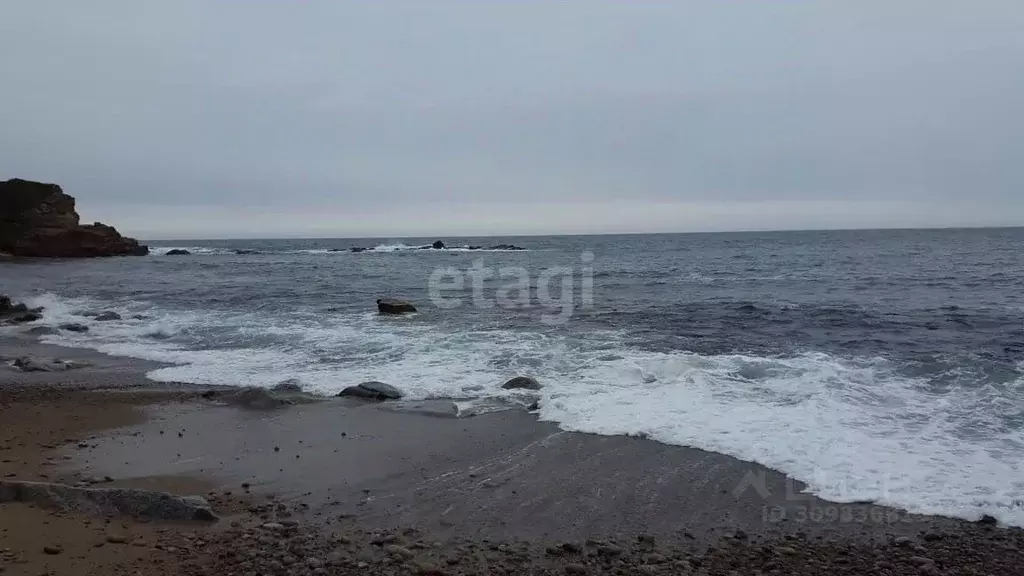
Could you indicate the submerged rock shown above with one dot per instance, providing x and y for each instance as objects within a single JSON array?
[
  {"x": 290, "y": 385},
  {"x": 39, "y": 220},
  {"x": 372, "y": 391},
  {"x": 522, "y": 383},
  {"x": 511, "y": 247},
  {"x": 178, "y": 252},
  {"x": 391, "y": 306},
  {"x": 246, "y": 252},
  {"x": 73, "y": 327},
  {"x": 108, "y": 316},
  {"x": 357, "y": 249}
]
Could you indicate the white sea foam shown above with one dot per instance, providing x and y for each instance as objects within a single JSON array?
[{"x": 852, "y": 429}]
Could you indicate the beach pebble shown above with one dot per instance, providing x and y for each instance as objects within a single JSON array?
[
  {"x": 575, "y": 569},
  {"x": 52, "y": 550},
  {"x": 400, "y": 552},
  {"x": 117, "y": 539}
]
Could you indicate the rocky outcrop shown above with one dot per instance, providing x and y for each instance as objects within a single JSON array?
[
  {"x": 437, "y": 245},
  {"x": 392, "y": 306},
  {"x": 39, "y": 221},
  {"x": 178, "y": 252},
  {"x": 507, "y": 247},
  {"x": 11, "y": 313},
  {"x": 372, "y": 391}
]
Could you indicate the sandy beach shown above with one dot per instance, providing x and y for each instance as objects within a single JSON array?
[{"x": 341, "y": 486}]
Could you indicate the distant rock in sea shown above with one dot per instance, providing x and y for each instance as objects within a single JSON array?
[
  {"x": 178, "y": 252},
  {"x": 512, "y": 247},
  {"x": 39, "y": 221},
  {"x": 391, "y": 306},
  {"x": 438, "y": 245}
]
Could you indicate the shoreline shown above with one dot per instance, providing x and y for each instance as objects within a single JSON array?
[{"x": 341, "y": 466}]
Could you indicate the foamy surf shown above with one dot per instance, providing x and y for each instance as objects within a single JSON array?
[{"x": 853, "y": 429}]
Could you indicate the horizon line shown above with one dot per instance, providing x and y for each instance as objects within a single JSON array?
[{"x": 573, "y": 235}]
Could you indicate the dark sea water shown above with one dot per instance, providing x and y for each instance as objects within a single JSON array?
[{"x": 873, "y": 365}]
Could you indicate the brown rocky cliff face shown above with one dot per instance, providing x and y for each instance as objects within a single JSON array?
[{"x": 39, "y": 220}]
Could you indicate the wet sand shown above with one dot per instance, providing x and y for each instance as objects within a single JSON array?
[{"x": 444, "y": 487}]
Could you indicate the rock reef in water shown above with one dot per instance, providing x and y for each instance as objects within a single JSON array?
[
  {"x": 39, "y": 221},
  {"x": 391, "y": 306}
]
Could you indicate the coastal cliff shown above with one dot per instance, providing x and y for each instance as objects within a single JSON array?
[{"x": 39, "y": 221}]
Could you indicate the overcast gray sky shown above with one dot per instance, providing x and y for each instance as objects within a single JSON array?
[{"x": 206, "y": 118}]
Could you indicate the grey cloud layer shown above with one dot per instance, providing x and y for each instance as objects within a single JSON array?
[{"x": 322, "y": 117}]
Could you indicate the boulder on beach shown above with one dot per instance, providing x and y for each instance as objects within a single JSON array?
[
  {"x": 107, "y": 316},
  {"x": 372, "y": 391},
  {"x": 437, "y": 245},
  {"x": 392, "y": 306},
  {"x": 253, "y": 398},
  {"x": 34, "y": 364},
  {"x": 107, "y": 501},
  {"x": 522, "y": 383},
  {"x": 39, "y": 220},
  {"x": 178, "y": 252}
]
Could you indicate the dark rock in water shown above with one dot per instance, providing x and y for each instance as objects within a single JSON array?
[
  {"x": 290, "y": 385},
  {"x": 39, "y": 221},
  {"x": 42, "y": 331},
  {"x": 140, "y": 317},
  {"x": 437, "y": 245},
  {"x": 357, "y": 249},
  {"x": 246, "y": 252},
  {"x": 72, "y": 327},
  {"x": 507, "y": 247},
  {"x": 178, "y": 252},
  {"x": 521, "y": 383},
  {"x": 987, "y": 520},
  {"x": 391, "y": 306},
  {"x": 476, "y": 247},
  {"x": 26, "y": 317},
  {"x": 108, "y": 316},
  {"x": 11, "y": 313},
  {"x": 372, "y": 391}
]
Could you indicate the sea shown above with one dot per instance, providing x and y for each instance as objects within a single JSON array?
[{"x": 883, "y": 365}]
